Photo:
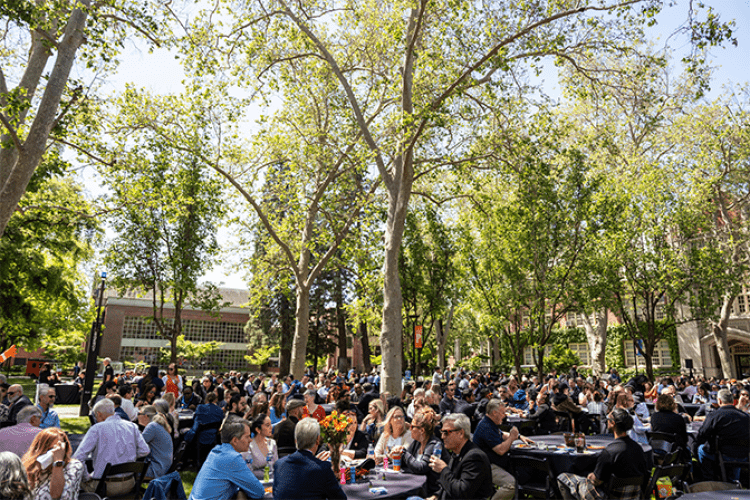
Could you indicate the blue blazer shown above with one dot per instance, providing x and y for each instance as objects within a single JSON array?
[
  {"x": 302, "y": 476},
  {"x": 205, "y": 414}
]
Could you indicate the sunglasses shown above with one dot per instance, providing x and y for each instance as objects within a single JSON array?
[
  {"x": 10, "y": 393},
  {"x": 446, "y": 432}
]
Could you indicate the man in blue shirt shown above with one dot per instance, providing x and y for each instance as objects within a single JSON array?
[
  {"x": 301, "y": 475},
  {"x": 46, "y": 402},
  {"x": 225, "y": 473}
]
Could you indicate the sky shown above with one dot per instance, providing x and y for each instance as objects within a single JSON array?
[{"x": 160, "y": 72}]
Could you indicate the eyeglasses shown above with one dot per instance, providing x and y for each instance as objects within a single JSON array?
[
  {"x": 11, "y": 393},
  {"x": 398, "y": 417},
  {"x": 446, "y": 432}
]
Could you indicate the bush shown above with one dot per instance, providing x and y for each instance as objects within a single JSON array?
[{"x": 561, "y": 358}]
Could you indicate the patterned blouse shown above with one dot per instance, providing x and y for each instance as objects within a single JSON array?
[{"x": 73, "y": 474}]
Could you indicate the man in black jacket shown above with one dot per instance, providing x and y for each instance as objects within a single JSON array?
[
  {"x": 283, "y": 433},
  {"x": 730, "y": 425},
  {"x": 467, "y": 474}
]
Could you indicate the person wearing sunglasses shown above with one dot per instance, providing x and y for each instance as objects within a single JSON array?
[
  {"x": 743, "y": 402},
  {"x": 47, "y": 397},
  {"x": 18, "y": 401},
  {"x": 467, "y": 474}
]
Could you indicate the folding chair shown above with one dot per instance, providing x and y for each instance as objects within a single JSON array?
[
  {"x": 542, "y": 482},
  {"x": 676, "y": 473},
  {"x": 136, "y": 469},
  {"x": 743, "y": 465},
  {"x": 625, "y": 488}
]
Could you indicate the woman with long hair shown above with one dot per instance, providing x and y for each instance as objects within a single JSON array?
[
  {"x": 13, "y": 481},
  {"x": 395, "y": 433},
  {"x": 158, "y": 435},
  {"x": 276, "y": 408},
  {"x": 147, "y": 397},
  {"x": 151, "y": 377},
  {"x": 333, "y": 394},
  {"x": 172, "y": 381},
  {"x": 416, "y": 456},
  {"x": 372, "y": 424},
  {"x": 61, "y": 477},
  {"x": 262, "y": 446}
]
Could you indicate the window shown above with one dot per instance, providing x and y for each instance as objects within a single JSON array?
[
  {"x": 528, "y": 358},
  {"x": 581, "y": 349},
  {"x": 662, "y": 355}
]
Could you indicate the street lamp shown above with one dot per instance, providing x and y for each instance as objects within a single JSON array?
[{"x": 94, "y": 345}]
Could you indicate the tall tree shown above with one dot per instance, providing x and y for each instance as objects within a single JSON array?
[
  {"x": 404, "y": 69},
  {"x": 165, "y": 227},
  {"x": 47, "y": 34}
]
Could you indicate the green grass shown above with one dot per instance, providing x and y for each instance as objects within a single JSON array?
[
  {"x": 188, "y": 478},
  {"x": 75, "y": 425}
]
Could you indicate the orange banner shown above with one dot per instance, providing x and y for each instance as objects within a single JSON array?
[
  {"x": 8, "y": 354},
  {"x": 418, "y": 336}
]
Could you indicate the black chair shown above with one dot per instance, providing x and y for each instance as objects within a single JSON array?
[
  {"x": 286, "y": 450},
  {"x": 542, "y": 482},
  {"x": 564, "y": 421},
  {"x": 202, "y": 450},
  {"x": 87, "y": 495},
  {"x": 178, "y": 457},
  {"x": 744, "y": 465},
  {"x": 677, "y": 473},
  {"x": 526, "y": 428},
  {"x": 626, "y": 488},
  {"x": 138, "y": 471}
]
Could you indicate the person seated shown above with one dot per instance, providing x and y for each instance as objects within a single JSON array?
[
  {"x": 623, "y": 458},
  {"x": 372, "y": 423},
  {"x": 356, "y": 441},
  {"x": 415, "y": 458},
  {"x": 666, "y": 419},
  {"x": 61, "y": 477},
  {"x": 395, "y": 433},
  {"x": 706, "y": 409},
  {"x": 541, "y": 413},
  {"x": 283, "y": 433},
  {"x": 262, "y": 447},
  {"x": 728, "y": 424},
  {"x": 467, "y": 475},
  {"x": 301, "y": 475},
  {"x": 205, "y": 414},
  {"x": 158, "y": 436},
  {"x": 14, "y": 484},
  {"x": 743, "y": 401},
  {"x": 189, "y": 400},
  {"x": 311, "y": 409},
  {"x": 126, "y": 394},
  {"x": 638, "y": 431},
  {"x": 111, "y": 441},
  {"x": 18, "y": 438},
  {"x": 17, "y": 402},
  {"x": 225, "y": 473},
  {"x": 47, "y": 396}
]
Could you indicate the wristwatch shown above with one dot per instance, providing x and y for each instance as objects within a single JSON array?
[{"x": 58, "y": 463}]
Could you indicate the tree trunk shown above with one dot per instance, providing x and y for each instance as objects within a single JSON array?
[
  {"x": 440, "y": 340},
  {"x": 20, "y": 168},
  {"x": 286, "y": 335},
  {"x": 301, "y": 331},
  {"x": 719, "y": 332},
  {"x": 343, "y": 361},
  {"x": 596, "y": 335},
  {"x": 365, "y": 346},
  {"x": 457, "y": 351},
  {"x": 390, "y": 338},
  {"x": 495, "y": 350}
]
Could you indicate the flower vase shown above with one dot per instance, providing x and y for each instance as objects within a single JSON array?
[{"x": 335, "y": 459}]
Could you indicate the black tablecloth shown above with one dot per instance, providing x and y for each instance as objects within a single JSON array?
[
  {"x": 186, "y": 419},
  {"x": 398, "y": 485},
  {"x": 690, "y": 408},
  {"x": 576, "y": 463},
  {"x": 67, "y": 394},
  {"x": 718, "y": 495}
]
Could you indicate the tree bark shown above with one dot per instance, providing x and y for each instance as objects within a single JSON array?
[
  {"x": 365, "y": 346},
  {"x": 596, "y": 336},
  {"x": 301, "y": 331},
  {"x": 17, "y": 173},
  {"x": 719, "y": 333},
  {"x": 440, "y": 341},
  {"x": 286, "y": 334},
  {"x": 343, "y": 361}
]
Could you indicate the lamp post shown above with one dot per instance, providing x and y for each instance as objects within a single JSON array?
[
  {"x": 93, "y": 347},
  {"x": 413, "y": 318}
]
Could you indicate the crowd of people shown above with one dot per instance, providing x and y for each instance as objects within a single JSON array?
[{"x": 446, "y": 427}]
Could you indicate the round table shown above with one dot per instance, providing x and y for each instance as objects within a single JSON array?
[
  {"x": 562, "y": 459},
  {"x": 397, "y": 484},
  {"x": 718, "y": 495}
]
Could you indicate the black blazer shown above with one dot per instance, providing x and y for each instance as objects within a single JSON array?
[
  {"x": 467, "y": 476},
  {"x": 359, "y": 444}
]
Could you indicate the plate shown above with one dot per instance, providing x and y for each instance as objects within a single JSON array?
[{"x": 595, "y": 447}]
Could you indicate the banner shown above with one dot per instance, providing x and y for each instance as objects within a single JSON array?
[
  {"x": 418, "y": 336},
  {"x": 10, "y": 353}
]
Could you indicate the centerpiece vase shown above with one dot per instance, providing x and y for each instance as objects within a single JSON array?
[{"x": 335, "y": 459}]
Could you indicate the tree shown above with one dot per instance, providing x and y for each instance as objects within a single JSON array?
[
  {"x": 165, "y": 227},
  {"x": 715, "y": 150},
  {"x": 192, "y": 352},
  {"x": 49, "y": 238},
  {"x": 46, "y": 34},
  {"x": 535, "y": 221},
  {"x": 409, "y": 74}
]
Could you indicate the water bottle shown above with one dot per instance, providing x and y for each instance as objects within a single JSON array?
[
  {"x": 371, "y": 451},
  {"x": 267, "y": 470},
  {"x": 437, "y": 451}
]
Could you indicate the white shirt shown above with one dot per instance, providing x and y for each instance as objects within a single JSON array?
[
  {"x": 129, "y": 408},
  {"x": 113, "y": 441}
]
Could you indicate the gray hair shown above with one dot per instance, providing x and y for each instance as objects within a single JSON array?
[
  {"x": 43, "y": 388},
  {"x": 162, "y": 405},
  {"x": 233, "y": 428},
  {"x": 460, "y": 421},
  {"x": 105, "y": 406},
  {"x": 258, "y": 396},
  {"x": 725, "y": 396},
  {"x": 27, "y": 413},
  {"x": 419, "y": 392},
  {"x": 14, "y": 483},
  {"x": 493, "y": 404},
  {"x": 310, "y": 393},
  {"x": 306, "y": 433}
]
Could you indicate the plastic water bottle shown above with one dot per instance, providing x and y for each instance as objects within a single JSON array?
[
  {"x": 267, "y": 470},
  {"x": 371, "y": 451},
  {"x": 437, "y": 451}
]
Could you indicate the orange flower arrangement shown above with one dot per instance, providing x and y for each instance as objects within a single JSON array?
[{"x": 333, "y": 429}]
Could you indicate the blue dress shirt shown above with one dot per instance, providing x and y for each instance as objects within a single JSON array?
[
  {"x": 223, "y": 474},
  {"x": 49, "y": 418}
]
